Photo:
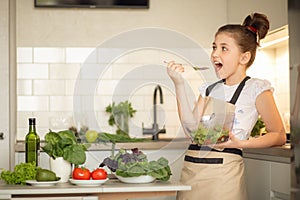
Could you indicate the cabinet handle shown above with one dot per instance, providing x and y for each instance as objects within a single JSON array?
[{"x": 1, "y": 136}]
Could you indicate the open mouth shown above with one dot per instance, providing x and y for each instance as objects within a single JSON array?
[{"x": 218, "y": 65}]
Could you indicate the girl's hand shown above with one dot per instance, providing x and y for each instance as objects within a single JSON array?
[
  {"x": 233, "y": 142},
  {"x": 175, "y": 71}
]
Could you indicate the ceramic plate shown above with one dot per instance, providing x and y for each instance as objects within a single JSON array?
[
  {"x": 88, "y": 182},
  {"x": 139, "y": 179},
  {"x": 41, "y": 183}
]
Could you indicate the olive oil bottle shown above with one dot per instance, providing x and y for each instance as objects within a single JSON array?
[{"x": 32, "y": 143}]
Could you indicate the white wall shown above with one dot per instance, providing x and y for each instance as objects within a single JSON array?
[
  {"x": 276, "y": 10},
  {"x": 41, "y": 27}
]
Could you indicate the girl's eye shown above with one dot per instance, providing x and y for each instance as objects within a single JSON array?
[
  {"x": 214, "y": 47},
  {"x": 224, "y": 49}
]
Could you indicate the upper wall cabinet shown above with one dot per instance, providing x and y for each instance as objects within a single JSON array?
[
  {"x": 277, "y": 12},
  {"x": 276, "y": 39}
]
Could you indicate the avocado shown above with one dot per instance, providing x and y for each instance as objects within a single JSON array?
[{"x": 46, "y": 175}]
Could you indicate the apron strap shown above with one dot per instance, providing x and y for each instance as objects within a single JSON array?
[
  {"x": 209, "y": 88},
  {"x": 236, "y": 93}
]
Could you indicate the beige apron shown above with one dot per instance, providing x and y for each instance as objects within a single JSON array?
[
  {"x": 214, "y": 174},
  {"x": 223, "y": 178}
]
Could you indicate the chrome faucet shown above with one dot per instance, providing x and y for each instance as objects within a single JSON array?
[{"x": 155, "y": 131}]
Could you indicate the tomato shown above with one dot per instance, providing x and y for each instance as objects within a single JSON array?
[
  {"x": 81, "y": 173},
  {"x": 99, "y": 174}
]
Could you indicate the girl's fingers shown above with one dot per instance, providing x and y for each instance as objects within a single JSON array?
[{"x": 175, "y": 66}]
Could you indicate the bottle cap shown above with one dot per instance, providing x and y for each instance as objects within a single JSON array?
[{"x": 31, "y": 121}]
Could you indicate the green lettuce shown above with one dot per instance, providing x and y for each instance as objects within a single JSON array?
[{"x": 64, "y": 144}]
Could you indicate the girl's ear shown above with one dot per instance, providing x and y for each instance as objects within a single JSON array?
[{"x": 245, "y": 57}]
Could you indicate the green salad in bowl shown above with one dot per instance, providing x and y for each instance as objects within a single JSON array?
[{"x": 210, "y": 135}]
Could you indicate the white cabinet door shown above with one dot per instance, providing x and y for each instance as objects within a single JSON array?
[
  {"x": 267, "y": 179},
  {"x": 4, "y": 85},
  {"x": 257, "y": 179},
  {"x": 281, "y": 180}
]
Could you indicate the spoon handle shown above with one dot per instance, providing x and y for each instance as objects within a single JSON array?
[{"x": 195, "y": 67}]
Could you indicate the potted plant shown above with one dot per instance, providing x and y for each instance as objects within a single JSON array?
[
  {"x": 64, "y": 150},
  {"x": 119, "y": 116}
]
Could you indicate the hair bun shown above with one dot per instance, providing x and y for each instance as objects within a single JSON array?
[{"x": 258, "y": 22}]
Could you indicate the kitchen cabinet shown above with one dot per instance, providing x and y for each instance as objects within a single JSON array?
[
  {"x": 6, "y": 88},
  {"x": 280, "y": 180},
  {"x": 257, "y": 179},
  {"x": 267, "y": 179}
]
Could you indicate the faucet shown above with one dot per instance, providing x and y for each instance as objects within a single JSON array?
[{"x": 155, "y": 131}]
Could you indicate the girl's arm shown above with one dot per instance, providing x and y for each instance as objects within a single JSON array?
[
  {"x": 189, "y": 114},
  {"x": 275, "y": 135}
]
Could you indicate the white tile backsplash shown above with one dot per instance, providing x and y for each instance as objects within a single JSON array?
[
  {"x": 145, "y": 56},
  {"x": 49, "y": 55},
  {"x": 81, "y": 55},
  {"x": 69, "y": 87},
  {"x": 25, "y": 55},
  {"x": 119, "y": 70},
  {"x": 64, "y": 71},
  {"x": 46, "y": 87},
  {"x": 61, "y": 103},
  {"x": 32, "y": 71},
  {"x": 24, "y": 87},
  {"x": 106, "y": 87},
  {"x": 23, "y": 116},
  {"x": 112, "y": 55},
  {"x": 48, "y": 78},
  {"x": 101, "y": 101},
  {"x": 94, "y": 71},
  {"x": 33, "y": 103},
  {"x": 85, "y": 87}
]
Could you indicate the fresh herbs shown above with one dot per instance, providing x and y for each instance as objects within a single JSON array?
[
  {"x": 21, "y": 173},
  {"x": 114, "y": 138},
  {"x": 64, "y": 144},
  {"x": 210, "y": 135},
  {"x": 257, "y": 127},
  {"x": 136, "y": 164},
  {"x": 119, "y": 115}
]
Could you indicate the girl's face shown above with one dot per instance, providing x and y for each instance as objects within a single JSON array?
[{"x": 226, "y": 57}]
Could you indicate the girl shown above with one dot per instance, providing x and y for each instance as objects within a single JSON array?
[{"x": 219, "y": 172}]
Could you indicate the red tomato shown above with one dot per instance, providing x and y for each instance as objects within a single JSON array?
[
  {"x": 81, "y": 173},
  {"x": 99, "y": 174}
]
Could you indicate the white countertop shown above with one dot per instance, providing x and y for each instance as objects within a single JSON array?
[
  {"x": 116, "y": 186},
  {"x": 111, "y": 186}
]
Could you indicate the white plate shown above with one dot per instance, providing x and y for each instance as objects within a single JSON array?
[
  {"x": 41, "y": 183},
  {"x": 88, "y": 182},
  {"x": 138, "y": 179}
]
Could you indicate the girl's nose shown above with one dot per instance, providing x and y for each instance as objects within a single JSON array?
[{"x": 214, "y": 54}]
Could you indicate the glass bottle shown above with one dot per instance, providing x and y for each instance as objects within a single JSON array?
[{"x": 32, "y": 143}]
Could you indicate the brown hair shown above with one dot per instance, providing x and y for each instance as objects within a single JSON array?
[{"x": 254, "y": 28}]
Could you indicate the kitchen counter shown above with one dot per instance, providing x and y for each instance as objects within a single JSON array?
[
  {"x": 180, "y": 143},
  {"x": 282, "y": 154},
  {"x": 110, "y": 190},
  {"x": 277, "y": 154}
]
